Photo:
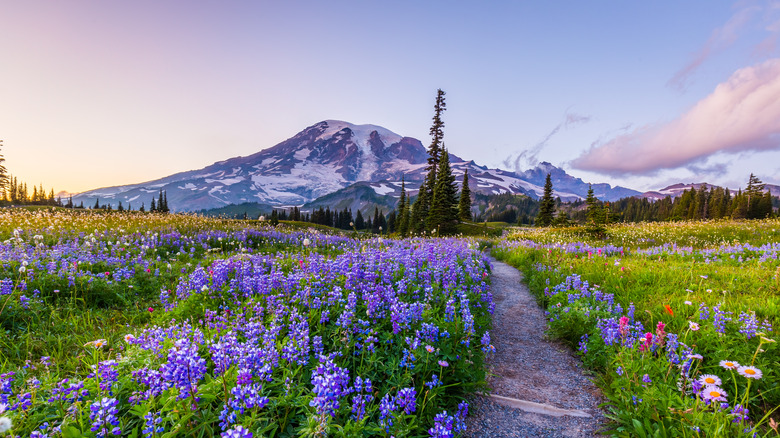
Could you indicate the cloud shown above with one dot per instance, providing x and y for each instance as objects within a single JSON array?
[
  {"x": 531, "y": 156},
  {"x": 742, "y": 114},
  {"x": 721, "y": 38}
]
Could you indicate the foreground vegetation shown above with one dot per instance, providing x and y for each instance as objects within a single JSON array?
[
  {"x": 678, "y": 318},
  {"x": 165, "y": 325}
]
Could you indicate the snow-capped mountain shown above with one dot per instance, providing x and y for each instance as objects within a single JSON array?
[{"x": 325, "y": 158}]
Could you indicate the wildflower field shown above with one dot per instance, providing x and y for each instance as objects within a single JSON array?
[
  {"x": 678, "y": 319},
  {"x": 148, "y": 325}
]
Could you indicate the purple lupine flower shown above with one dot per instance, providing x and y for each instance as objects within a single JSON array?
[
  {"x": 487, "y": 347},
  {"x": 103, "y": 416},
  {"x": 184, "y": 368},
  {"x": 387, "y": 410},
  {"x": 740, "y": 414},
  {"x": 720, "y": 319},
  {"x": 583, "y": 345},
  {"x": 237, "y": 432},
  {"x": 152, "y": 425},
  {"x": 108, "y": 375},
  {"x": 434, "y": 382},
  {"x": 704, "y": 312},
  {"x": 407, "y": 400},
  {"x": 443, "y": 426},
  {"x": 330, "y": 384},
  {"x": 359, "y": 401},
  {"x": 749, "y": 322}
]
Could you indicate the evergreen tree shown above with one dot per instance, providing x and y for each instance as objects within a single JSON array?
[
  {"x": 595, "y": 215},
  {"x": 97, "y": 204},
  {"x": 375, "y": 224},
  {"x": 419, "y": 211},
  {"x": 401, "y": 204},
  {"x": 546, "y": 205},
  {"x": 392, "y": 219},
  {"x": 153, "y": 206},
  {"x": 443, "y": 215},
  {"x": 120, "y": 207},
  {"x": 165, "y": 202},
  {"x": 404, "y": 214},
  {"x": 437, "y": 140},
  {"x": 360, "y": 223},
  {"x": 464, "y": 206},
  {"x": 81, "y": 205},
  {"x": 421, "y": 207},
  {"x": 382, "y": 228}
]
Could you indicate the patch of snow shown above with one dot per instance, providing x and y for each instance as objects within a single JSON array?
[
  {"x": 302, "y": 154},
  {"x": 383, "y": 189},
  {"x": 188, "y": 186},
  {"x": 133, "y": 198},
  {"x": 226, "y": 181}
]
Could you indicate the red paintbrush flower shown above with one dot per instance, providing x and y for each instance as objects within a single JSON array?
[{"x": 668, "y": 309}]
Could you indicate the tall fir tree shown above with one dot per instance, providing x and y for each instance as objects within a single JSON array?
[
  {"x": 464, "y": 206},
  {"x": 546, "y": 205},
  {"x": 421, "y": 207},
  {"x": 360, "y": 222},
  {"x": 594, "y": 215},
  {"x": 165, "y": 208},
  {"x": 443, "y": 215},
  {"x": 401, "y": 205},
  {"x": 753, "y": 194},
  {"x": 153, "y": 206},
  {"x": 437, "y": 140}
]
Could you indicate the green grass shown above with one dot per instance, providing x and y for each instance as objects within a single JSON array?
[{"x": 708, "y": 268}]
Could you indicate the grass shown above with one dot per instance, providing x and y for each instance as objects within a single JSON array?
[{"x": 714, "y": 286}]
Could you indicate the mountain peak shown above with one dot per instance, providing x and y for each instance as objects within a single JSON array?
[
  {"x": 322, "y": 159},
  {"x": 360, "y": 133}
]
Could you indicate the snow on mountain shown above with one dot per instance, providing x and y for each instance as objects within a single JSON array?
[{"x": 325, "y": 158}]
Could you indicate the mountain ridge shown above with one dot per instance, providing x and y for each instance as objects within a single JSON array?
[{"x": 328, "y": 157}]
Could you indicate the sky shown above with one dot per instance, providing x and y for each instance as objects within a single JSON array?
[{"x": 638, "y": 94}]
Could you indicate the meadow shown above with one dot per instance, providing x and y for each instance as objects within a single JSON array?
[
  {"x": 678, "y": 320},
  {"x": 129, "y": 324}
]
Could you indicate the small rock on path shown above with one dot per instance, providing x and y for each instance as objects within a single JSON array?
[{"x": 529, "y": 367}]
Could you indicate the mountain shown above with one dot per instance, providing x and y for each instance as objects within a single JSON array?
[
  {"x": 324, "y": 159},
  {"x": 564, "y": 182},
  {"x": 676, "y": 190}
]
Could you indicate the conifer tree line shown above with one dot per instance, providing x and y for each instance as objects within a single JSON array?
[
  {"x": 18, "y": 193},
  {"x": 157, "y": 205},
  {"x": 378, "y": 223},
  {"x": 15, "y": 192},
  {"x": 754, "y": 202}
]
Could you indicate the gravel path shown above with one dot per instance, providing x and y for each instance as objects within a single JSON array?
[{"x": 527, "y": 367}]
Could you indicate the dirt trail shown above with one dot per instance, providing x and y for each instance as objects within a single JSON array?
[{"x": 538, "y": 385}]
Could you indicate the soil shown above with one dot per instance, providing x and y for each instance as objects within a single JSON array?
[{"x": 541, "y": 386}]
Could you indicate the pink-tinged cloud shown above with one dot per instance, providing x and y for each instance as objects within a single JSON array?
[{"x": 742, "y": 114}]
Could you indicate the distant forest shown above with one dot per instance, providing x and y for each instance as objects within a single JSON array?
[{"x": 716, "y": 203}]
